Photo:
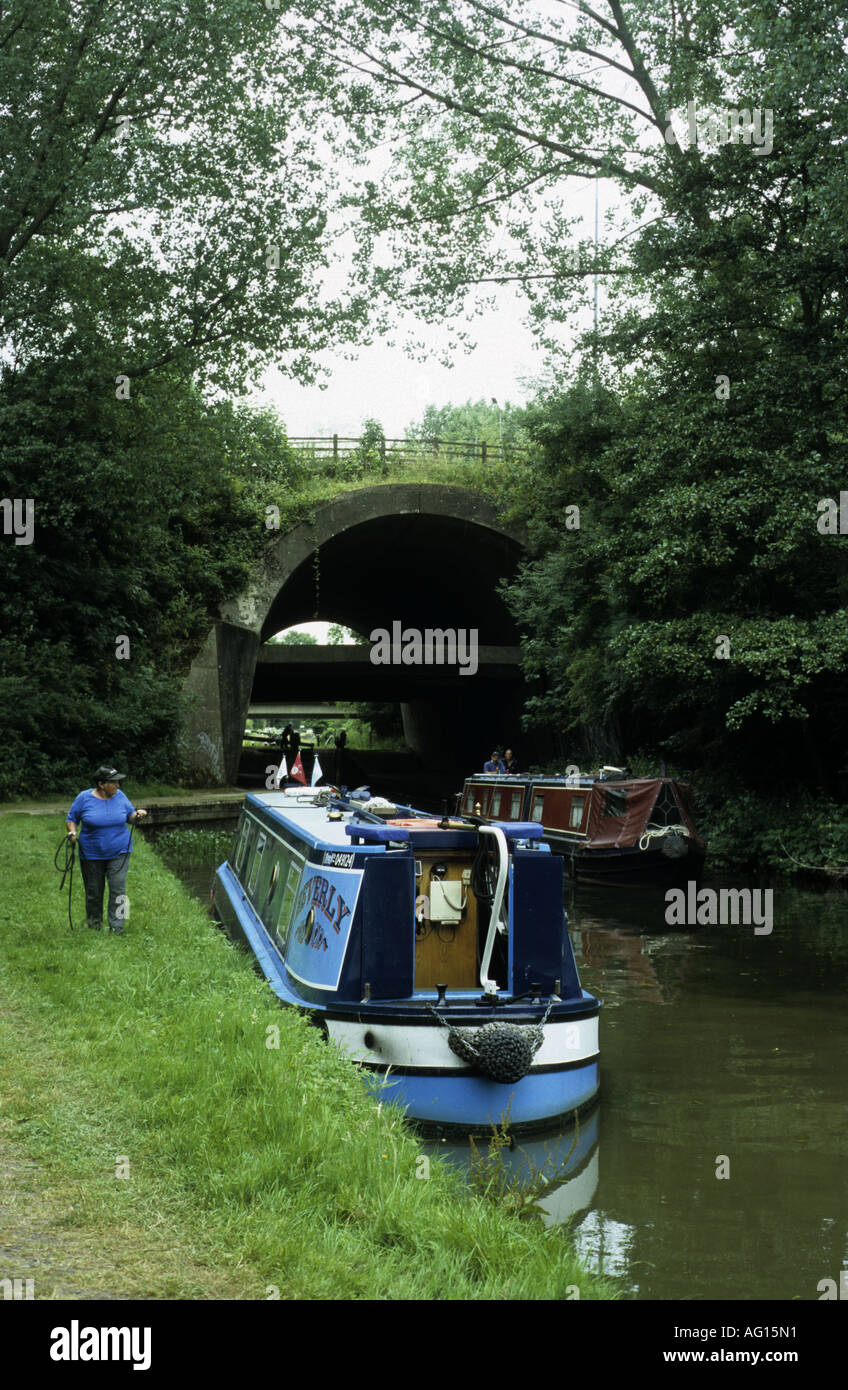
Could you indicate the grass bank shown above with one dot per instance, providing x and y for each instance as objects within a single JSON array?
[{"x": 150, "y": 1130}]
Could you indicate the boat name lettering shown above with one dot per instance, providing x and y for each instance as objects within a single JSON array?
[
  {"x": 338, "y": 859},
  {"x": 325, "y": 897}
]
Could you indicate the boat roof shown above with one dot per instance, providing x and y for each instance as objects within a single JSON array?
[
  {"x": 525, "y": 779},
  {"x": 298, "y": 812}
]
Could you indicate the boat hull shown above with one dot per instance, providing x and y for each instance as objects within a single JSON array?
[
  {"x": 464, "y": 1103},
  {"x": 626, "y": 866},
  {"x": 404, "y": 1054}
]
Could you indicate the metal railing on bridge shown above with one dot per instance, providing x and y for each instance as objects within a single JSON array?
[{"x": 399, "y": 451}]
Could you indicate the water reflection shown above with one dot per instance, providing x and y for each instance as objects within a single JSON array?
[
  {"x": 723, "y": 1117},
  {"x": 562, "y": 1166},
  {"x": 723, "y": 1112}
]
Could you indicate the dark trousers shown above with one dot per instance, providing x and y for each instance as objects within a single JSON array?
[{"x": 95, "y": 875}]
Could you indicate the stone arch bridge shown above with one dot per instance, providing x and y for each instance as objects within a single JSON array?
[{"x": 422, "y": 555}]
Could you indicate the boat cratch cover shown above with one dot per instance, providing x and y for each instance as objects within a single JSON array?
[{"x": 620, "y": 813}]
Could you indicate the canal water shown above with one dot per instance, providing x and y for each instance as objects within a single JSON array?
[{"x": 716, "y": 1163}]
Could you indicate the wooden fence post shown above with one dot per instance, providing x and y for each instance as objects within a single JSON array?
[{"x": 335, "y": 446}]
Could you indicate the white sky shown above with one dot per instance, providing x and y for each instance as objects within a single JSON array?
[{"x": 385, "y": 384}]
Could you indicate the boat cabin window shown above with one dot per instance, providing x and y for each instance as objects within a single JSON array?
[
  {"x": 255, "y": 863},
  {"x": 615, "y": 802},
  {"x": 468, "y": 804},
  {"x": 515, "y": 806},
  {"x": 291, "y": 874},
  {"x": 536, "y": 813},
  {"x": 267, "y": 913},
  {"x": 241, "y": 846},
  {"x": 576, "y": 818},
  {"x": 665, "y": 811}
]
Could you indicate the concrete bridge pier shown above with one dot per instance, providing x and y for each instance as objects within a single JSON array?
[{"x": 218, "y": 694}]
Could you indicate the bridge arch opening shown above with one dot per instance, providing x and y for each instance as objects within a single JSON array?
[{"x": 399, "y": 559}]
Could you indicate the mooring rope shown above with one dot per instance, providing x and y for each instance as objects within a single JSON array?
[
  {"x": 660, "y": 832},
  {"x": 67, "y": 869}
]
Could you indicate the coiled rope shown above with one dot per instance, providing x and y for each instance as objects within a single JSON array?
[
  {"x": 661, "y": 831},
  {"x": 66, "y": 869}
]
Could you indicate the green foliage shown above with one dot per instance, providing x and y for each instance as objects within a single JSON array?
[
  {"x": 697, "y": 438},
  {"x": 372, "y": 446},
  {"x": 160, "y": 189},
  {"x": 788, "y": 834},
  {"x": 474, "y": 422},
  {"x": 148, "y": 513},
  {"x": 187, "y": 846},
  {"x": 294, "y": 638},
  {"x": 338, "y": 636}
]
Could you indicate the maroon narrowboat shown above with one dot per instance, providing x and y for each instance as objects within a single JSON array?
[{"x": 611, "y": 828}]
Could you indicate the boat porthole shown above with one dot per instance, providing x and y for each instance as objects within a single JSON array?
[
  {"x": 369, "y": 1040},
  {"x": 310, "y": 926}
]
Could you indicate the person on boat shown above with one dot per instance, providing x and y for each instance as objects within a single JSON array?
[
  {"x": 495, "y": 763},
  {"x": 510, "y": 761},
  {"x": 101, "y": 815}
]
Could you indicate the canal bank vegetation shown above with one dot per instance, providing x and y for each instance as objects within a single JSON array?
[{"x": 147, "y": 1098}]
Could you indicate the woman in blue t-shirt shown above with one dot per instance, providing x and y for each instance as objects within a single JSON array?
[{"x": 105, "y": 843}]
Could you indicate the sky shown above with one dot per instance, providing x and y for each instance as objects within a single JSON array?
[{"x": 385, "y": 384}]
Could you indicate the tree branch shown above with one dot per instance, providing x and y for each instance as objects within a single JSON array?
[
  {"x": 519, "y": 66},
  {"x": 403, "y": 79}
]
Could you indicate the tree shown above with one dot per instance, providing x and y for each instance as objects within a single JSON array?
[
  {"x": 294, "y": 638},
  {"x": 495, "y": 112},
  {"x": 146, "y": 515},
  {"x": 473, "y": 422},
  {"x": 338, "y": 636},
  {"x": 162, "y": 188}
]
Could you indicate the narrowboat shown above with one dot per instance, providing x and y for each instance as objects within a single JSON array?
[
  {"x": 434, "y": 952},
  {"x": 610, "y": 827}
]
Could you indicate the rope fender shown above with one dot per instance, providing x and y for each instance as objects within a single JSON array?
[{"x": 502, "y": 1051}]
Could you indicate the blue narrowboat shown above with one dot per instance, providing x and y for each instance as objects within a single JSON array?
[{"x": 434, "y": 952}]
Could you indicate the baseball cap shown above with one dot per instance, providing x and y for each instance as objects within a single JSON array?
[{"x": 108, "y": 774}]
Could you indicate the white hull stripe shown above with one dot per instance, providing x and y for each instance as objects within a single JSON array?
[{"x": 394, "y": 1044}]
